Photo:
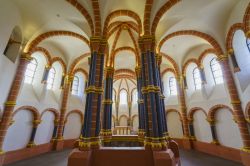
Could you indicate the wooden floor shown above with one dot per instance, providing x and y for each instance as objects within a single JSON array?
[{"x": 188, "y": 158}]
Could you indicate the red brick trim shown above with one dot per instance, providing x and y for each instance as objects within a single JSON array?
[
  {"x": 34, "y": 43},
  {"x": 173, "y": 110},
  {"x": 118, "y": 13},
  {"x": 84, "y": 12},
  {"x": 45, "y": 53},
  {"x": 96, "y": 11},
  {"x": 172, "y": 61},
  {"x": 192, "y": 111},
  {"x": 53, "y": 110},
  {"x": 60, "y": 60},
  {"x": 161, "y": 12},
  {"x": 187, "y": 63},
  {"x": 84, "y": 72},
  {"x": 32, "y": 109},
  {"x": 202, "y": 35},
  {"x": 75, "y": 112},
  {"x": 212, "y": 111},
  {"x": 204, "y": 54},
  {"x": 247, "y": 112},
  {"x": 230, "y": 34},
  {"x": 246, "y": 19},
  {"x": 147, "y": 15},
  {"x": 77, "y": 60},
  {"x": 168, "y": 70}
]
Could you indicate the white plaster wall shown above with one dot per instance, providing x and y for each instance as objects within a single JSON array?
[
  {"x": 10, "y": 16},
  {"x": 201, "y": 127},
  {"x": 73, "y": 127},
  {"x": 227, "y": 130},
  {"x": 174, "y": 125},
  {"x": 45, "y": 129},
  {"x": 123, "y": 121},
  {"x": 135, "y": 123},
  {"x": 19, "y": 132}
]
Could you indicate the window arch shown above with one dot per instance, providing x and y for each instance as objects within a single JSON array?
[
  {"x": 51, "y": 78},
  {"x": 216, "y": 71},
  {"x": 123, "y": 97},
  {"x": 75, "y": 86},
  {"x": 197, "y": 78},
  {"x": 172, "y": 86},
  {"x": 30, "y": 71},
  {"x": 248, "y": 44}
]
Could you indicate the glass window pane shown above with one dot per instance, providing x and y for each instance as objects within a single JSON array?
[
  {"x": 30, "y": 71},
  {"x": 216, "y": 71}
]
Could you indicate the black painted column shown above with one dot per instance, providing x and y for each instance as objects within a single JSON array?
[
  {"x": 191, "y": 129},
  {"x": 213, "y": 131},
  {"x": 154, "y": 139},
  {"x": 89, "y": 138},
  {"x": 141, "y": 113},
  {"x": 46, "y": 74},
  {"x": 234, "y": 61},
  {"x": 33, "y": 134},
  {"x": 106, "y": 131},
  {"x": 54, "y": 135}
]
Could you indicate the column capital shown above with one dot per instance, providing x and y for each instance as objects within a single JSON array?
[
  {"x": 26, "y": 56},
  {"x": 211, "y": 121},
  {"x": 98, "y": 44},
  {"x": 247, "y": 34},
  {"x": 36, "y": 122},
  {"x": 230, "y": 52},
  {"x": 147, "y": 43},
  {"x": 222, "y": 58}
]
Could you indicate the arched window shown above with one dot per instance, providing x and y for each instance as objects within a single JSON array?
[
  {"x": 172, "y": 86},
  {"x": 216, "y": 71},
  {"x": 30, "y": 71},
  {"x": 123, "y": 97},
  {"x": 248, "y": 44},
  {"x": 75, "y": 86},
  {"x": 51, "y": 78},
  {"x": 197, "y": 78}
]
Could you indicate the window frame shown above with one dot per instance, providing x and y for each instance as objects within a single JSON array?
[
  {"x": 171, "y": 85},
  {"x": 126, "y": 93},
  {"x": 33, "y": 71},
  {"x": 197, "y": 80},
  {"x": 75, "y": 91},
  {"x": 215, "y": 62},
  {"x": 53, "y": 79}
]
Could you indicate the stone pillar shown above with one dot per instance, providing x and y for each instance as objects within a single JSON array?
[
  {"x": 213, "y": 131},
  {"x": 12, "y": 97},
  {"x": 185, "y": 81},
  {"x": 89, "y": 138},
  {"x": 54, "y": 135},
  {"x": 236, "y": 103},
  {"x": 141, "y": 114},
  {"x": 154, "y": 130},
  {"x": 183, "y": 108},
  {"x": 64, "y": 103},
  {"x": 106, "y": 131},
  {"x": 33, "y": 134}
]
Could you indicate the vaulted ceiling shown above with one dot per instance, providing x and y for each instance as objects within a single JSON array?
[{"x": 124, "y": 21}]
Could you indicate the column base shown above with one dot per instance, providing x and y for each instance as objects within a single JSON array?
[
  {"x": 58, "y": 145},
  {"x": 2, "y": 155},
  {"x": 121, "y": 157},
  {"x": 245, "y": 158},
  {"x": 187, "y": 144}
]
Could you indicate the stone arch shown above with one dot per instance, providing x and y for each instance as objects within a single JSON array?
[
  {"x": 167, "y": 70},
  {"x": 77, "y": 60},
  {"x": 85, "y": 73},
  {"x": 49, "y": 34},
  {"x": 230, "y": 35},
  {"x": 199, "y": 34},
  {"x": 192, "y": 60},
  {"x": 76, "y": 112},
  {"x": 45, "y": 53},
  {"x": 84, "y": 12},
  {"x": 118, "y": 13},
  {"x": 161, "y": 12},
  {"x": 247, "y": 111},
  {"x": 60, "y": 60},
  {"x": 52, "y": 110},
  {"x": 123, "y": 116},
  {"x": 246, "y": 20},
  {"x": 204, "y": 54},
  {"x": 193, "y": 110},
  {"x": 32, "y": 109},
  {"x": 214, "y": 109},
  {"x": 174, "y": 110}
]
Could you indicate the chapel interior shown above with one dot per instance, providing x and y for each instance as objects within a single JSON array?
[{"x": 125, "y": 82}]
